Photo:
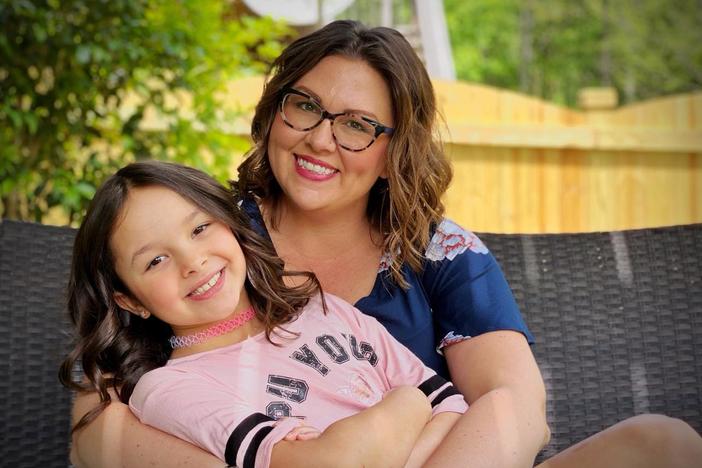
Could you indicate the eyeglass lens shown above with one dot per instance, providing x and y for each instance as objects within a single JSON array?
[{"x": 350, "y": 130}]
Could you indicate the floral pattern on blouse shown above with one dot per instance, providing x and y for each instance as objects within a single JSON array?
[{"x": 450, "y": 240}]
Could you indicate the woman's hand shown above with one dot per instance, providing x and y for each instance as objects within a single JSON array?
[{"x": 117, "y": 439}]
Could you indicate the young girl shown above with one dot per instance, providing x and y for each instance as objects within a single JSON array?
[{"x": 186, "y": 313}]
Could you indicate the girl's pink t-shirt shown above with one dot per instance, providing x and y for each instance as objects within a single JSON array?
[{"x": 238, "y": 401}]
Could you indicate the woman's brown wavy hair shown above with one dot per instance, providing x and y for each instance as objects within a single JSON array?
[
  {"x": 405, "y": 206},
  {"x": 113, "y": 346}
]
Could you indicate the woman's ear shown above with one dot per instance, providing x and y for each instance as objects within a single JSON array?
[{"x": 131, "y": 305}]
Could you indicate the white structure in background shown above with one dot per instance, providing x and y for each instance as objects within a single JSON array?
[
  {"x": 435, "y": 39},
  {"x": 431, "y": 22},
  {"x": 299, "y": 12}
]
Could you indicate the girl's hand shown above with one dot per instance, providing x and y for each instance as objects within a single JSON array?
[{"x": 302, "y": 432}]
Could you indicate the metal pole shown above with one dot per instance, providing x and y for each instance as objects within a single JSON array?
[
  {"x": 386, "y": 16},
  {"x": 435, "y": 40}
]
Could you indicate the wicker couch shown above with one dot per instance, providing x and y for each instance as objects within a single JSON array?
[{"x": 617, "y": 317}]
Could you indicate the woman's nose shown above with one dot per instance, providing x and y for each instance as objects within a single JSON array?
[{"x": 321, "y": 137}]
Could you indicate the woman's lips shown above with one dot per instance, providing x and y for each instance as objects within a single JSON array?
[{"x": 313, "y": 169}]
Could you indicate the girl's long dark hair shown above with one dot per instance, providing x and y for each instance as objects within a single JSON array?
[{"x": 114, "y": 347}]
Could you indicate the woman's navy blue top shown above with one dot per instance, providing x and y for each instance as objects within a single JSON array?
[{"x": 460, "y": 293}]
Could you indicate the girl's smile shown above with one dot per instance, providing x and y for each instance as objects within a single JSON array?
[{"x": 209, "y": 288}]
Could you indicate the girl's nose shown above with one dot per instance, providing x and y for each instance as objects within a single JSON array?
[
  {"x": 321, "y": 138},
  {"x": 192, "y": 262}
]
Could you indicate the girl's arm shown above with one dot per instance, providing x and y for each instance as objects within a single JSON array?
[
  {"x": 380, "y": 436},
  {"x": 505, "y": 424},
  {"x": 117, "y": 439}
]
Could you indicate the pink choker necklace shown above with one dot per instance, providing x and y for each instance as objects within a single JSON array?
[{"x": 215, "y": 330}]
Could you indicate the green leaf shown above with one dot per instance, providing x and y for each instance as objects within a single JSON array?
[
  {"x": 85, "y": 189},
  {"x": 32, "y": 122}
]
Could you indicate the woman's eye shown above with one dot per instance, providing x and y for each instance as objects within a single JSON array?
[
  {"x": 200, "y": 229},
  {"x": 358, "y": 126},
  {"x": 155, "y": 262},
  {"x": 308, "y": 106}
]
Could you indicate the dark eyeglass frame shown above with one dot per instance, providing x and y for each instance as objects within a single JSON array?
[{"x": 379, "y": 128}]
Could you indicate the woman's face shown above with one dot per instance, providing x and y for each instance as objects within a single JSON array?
[{"x": 315, "y": 173}]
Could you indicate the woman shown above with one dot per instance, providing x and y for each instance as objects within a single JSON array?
[{"x": 346, "y": 178}]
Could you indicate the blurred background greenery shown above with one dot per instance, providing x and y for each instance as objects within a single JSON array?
[
  {"x": 78, "y": 78},
  {"x": 67, "y": 68},
  {"x": 553, "y": 48}
]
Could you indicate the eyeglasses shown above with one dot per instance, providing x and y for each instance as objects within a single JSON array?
[{"x": 353, "y": 132}]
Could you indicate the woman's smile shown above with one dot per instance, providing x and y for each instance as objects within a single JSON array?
[{"x": 314, "y": 169}]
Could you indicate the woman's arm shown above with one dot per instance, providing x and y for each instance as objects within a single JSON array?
[
  {"x": 431, "y": 437},
  {"x": 505, "y": 424},
  {"x": 116, "y": 438},
  {"x": 380, "y": 436}
]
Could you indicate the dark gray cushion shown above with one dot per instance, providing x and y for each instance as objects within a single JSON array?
[{"x": 617, "y": 319}]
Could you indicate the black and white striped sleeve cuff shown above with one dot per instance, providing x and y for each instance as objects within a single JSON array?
[
  {"x": 247, "y": 438},
  {"x": 437, "y": 389}
]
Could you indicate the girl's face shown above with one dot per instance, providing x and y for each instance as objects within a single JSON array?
[
  {"x": 315, "y": 173},
  {"x": 179, "y": 263}
]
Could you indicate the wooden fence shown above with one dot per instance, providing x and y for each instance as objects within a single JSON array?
[{"x": 525, "y": 165}]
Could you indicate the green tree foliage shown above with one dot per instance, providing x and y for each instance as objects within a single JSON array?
[
  {"x": 78, "y": 78},
  {"x": 644, "y": 48},
  {"x": 485, "y": 40}
]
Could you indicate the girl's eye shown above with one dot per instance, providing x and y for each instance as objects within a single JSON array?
[
  {"x": 155, "y": 262},
  {"x": 200, "y": 229}
]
